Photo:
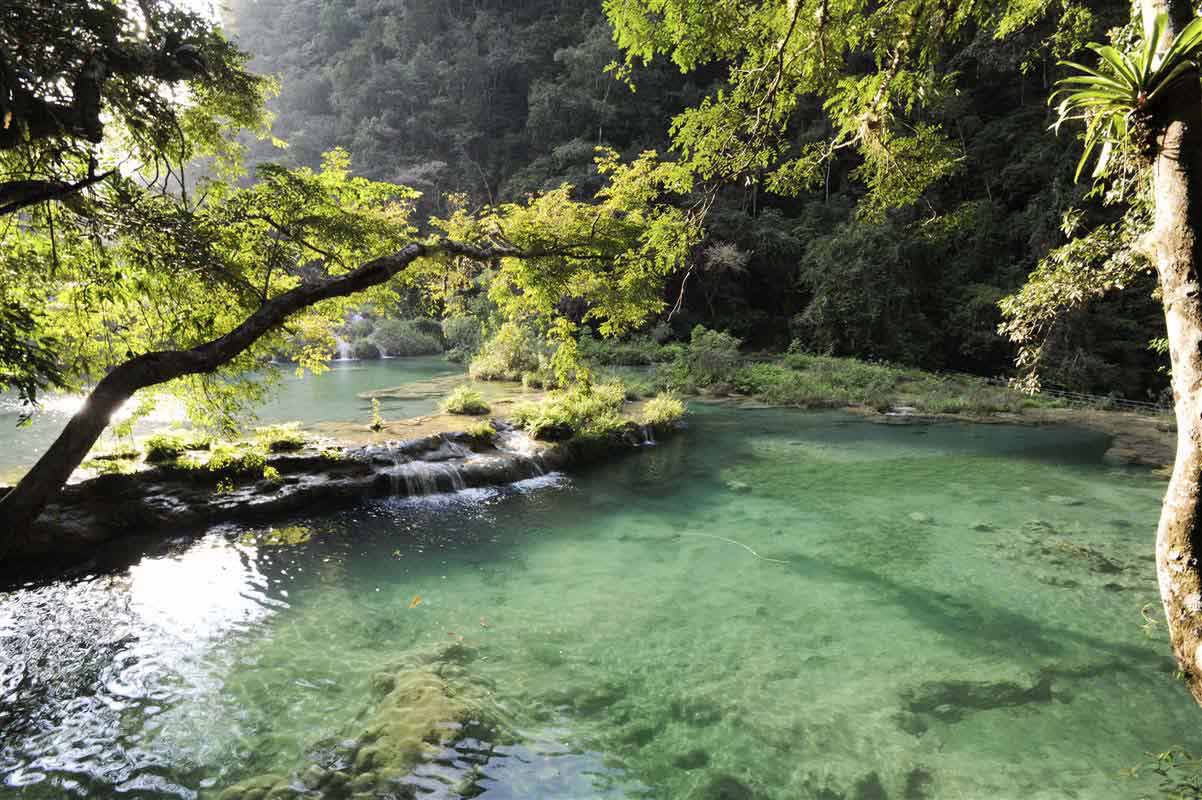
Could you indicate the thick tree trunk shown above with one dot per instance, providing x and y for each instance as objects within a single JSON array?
[
  {"x": 20, "y": 508},
  {"x": 1177, "y": 250}
]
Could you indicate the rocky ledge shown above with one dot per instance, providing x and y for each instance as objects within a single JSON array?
[{"x": 168, "y": 497}]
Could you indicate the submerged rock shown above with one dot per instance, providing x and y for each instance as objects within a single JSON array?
[
  {"x": 951, "y": 701},
  {"x": 420, "y": 707},
  {"x": 869, "y": 788},
  {"x": 918, "y": 781},
  {"x": 725, "y": 787},
  {"x": 693, "y": 759}
]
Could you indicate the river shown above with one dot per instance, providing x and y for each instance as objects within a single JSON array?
[{"x": 772, "y": 604}]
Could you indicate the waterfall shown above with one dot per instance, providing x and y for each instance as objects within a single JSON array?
[
  {"x": 519, "y": 445},
  {"x": 344, "y": 349},
  {"x": 440, "y": 465},
  {"x": 455, "y": 477},
  {"x": 420, "y": 478}
]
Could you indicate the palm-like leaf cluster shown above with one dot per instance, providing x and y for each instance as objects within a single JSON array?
[{"x": 1119, "y": 94}]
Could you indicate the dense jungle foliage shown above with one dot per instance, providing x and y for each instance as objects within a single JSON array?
[{"x": 493, "y": 100}]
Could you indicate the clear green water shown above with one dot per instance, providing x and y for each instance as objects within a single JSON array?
[
  {"x": 958, "y": 617},
  {"x": 329, "y": 397}
]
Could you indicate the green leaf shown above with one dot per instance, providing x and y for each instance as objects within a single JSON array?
[{"x": 1118, "y": 60}]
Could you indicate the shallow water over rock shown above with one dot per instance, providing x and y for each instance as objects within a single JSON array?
[
  {"x": 333, "y": 396},
  {"x": 771, "y": 605}
]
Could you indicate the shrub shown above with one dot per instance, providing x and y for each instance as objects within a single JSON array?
[
  {"x": 639, "y": 383},
  {"x": 663, "y": 411},
  {"x": 281, "y": 438},
  {"x": 633, "y": 352},
  {"x": 364, "y": 349},
  {"x": 824, "y": 382},
  {"x": 465, "y": 400},
  {"x": 121, "y": 451},
  {"x": 110, "y": 466},
  {"x": 712, "y": 356},
  {"x": 780, "y": 385},
  {"x": 507, "y": 356},
  {"x": 955, "y": 397},
  {"x": 377, "y": 421},
  {"x": 825, "y": 385},
  {"x": 226, "y": 463},
  {"x": 360, "y": 328},
  {"x": 236, "y": 461},
  {"x": 584, "y": 411},
  {"x": 405, "y": 338},
  {"x": 430, "y": 327},
  {"x": 482, "y": 432},
  {"x": 170, "y": 445},
  {"x": 463, "y": 336}
]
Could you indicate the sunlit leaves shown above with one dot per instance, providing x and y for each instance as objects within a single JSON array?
[
  {"x": 142, "y": 271},
  {"x": 877, "y": 70},
  {"x": 1090, "y": 265}
]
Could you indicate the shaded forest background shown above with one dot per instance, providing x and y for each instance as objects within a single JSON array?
[{"x": 496, "y": 98}]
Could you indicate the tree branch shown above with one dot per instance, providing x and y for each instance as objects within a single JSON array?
[
  {"x": 22, "y": 194},
  {"x": 22, "y": 506}
]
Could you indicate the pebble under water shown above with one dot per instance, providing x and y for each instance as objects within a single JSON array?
[{"x": 771, "y": 604}]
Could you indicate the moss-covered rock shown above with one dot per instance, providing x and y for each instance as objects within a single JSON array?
[
  {"x": 419, "y": 707},
  {"x": 258, "y": 788}
]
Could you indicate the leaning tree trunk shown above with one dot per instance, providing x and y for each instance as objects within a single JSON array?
[
  {"x": 1176, "y": 247},
  {"x": 20, "y": 508}
]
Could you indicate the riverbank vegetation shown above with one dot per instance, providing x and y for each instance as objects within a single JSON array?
[
  {"x": 465, "y": 400},
  {"x": 714, "y": 365}
]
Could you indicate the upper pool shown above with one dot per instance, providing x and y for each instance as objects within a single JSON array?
[
  {"x": 772, "y": 604},
  {"x": 329, "y": 397}
]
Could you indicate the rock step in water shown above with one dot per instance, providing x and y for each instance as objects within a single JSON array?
[{"x": 169, "y": 497}]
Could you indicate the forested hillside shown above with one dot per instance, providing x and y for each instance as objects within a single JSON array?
[{"x": 494, "y": 99}]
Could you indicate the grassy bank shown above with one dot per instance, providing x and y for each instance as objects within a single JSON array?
[{"x": 712, "y": 364}]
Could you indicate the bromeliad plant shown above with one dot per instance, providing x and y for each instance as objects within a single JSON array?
[{"x": 1116, "y": 99}]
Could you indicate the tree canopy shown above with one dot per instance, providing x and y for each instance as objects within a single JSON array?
[
  {"x": 105, "y": 107},
  {"x": 821, "y": 256}
]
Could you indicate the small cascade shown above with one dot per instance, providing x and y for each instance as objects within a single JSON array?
[
  {"x": 421, "y": 478},
  {"x": 344, "y": 350},
  {"x": 518, "y": 442},
  {"x": 445, "y": 465},
  {"x": 458, "y": 484},
  {"x": 648, "y": 434},
  {"x": 520, "y": 446}
]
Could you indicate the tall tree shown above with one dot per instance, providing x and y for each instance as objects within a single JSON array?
[
  {"x": 1175, "y": 246},
  {"x": 1143, "y": 114}
]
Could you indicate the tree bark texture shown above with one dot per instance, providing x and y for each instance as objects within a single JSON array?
[{"x": 1176, "y": 249}]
